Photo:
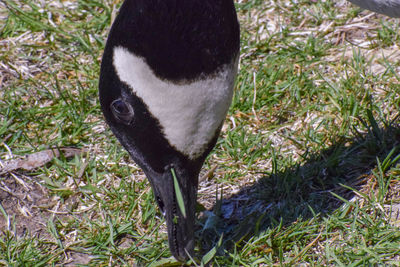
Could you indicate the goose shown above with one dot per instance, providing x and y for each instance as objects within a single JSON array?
[
  {"x": 390, "y": 8},
  {"x": 166, "y": 83}
]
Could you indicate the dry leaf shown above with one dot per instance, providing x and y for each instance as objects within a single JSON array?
[{"x": 38, "y": 159}]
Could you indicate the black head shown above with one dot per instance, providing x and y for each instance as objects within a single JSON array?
[{"x": 177, "y": 43}]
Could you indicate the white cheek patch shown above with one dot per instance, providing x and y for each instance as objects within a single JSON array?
[{"x": 188, "y": 113}]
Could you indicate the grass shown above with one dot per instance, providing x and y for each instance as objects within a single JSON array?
[{"x": 308, "y": 166}]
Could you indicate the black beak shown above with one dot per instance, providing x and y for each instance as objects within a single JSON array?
[{"x": 175, "y": 191}]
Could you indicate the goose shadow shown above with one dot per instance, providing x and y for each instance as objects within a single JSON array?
[{"x": 303, "y": 190}]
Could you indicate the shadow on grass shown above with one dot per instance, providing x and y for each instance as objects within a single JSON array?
[{"x": 302, "y": 191}]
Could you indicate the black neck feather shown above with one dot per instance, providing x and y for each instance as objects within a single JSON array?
[{"x": 179, "y": 39}]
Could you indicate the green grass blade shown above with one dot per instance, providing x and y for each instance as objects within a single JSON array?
[{"x": 178, "y": 194}]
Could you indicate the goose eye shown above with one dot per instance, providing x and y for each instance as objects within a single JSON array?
[{"x": 122, "y": 111}]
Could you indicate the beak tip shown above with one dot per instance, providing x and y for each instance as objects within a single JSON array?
[{"x": 183, "y": 254}]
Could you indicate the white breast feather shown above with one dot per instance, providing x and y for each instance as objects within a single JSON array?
[{"x": 189, "y": 113}]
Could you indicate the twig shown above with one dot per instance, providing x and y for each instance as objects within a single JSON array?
[{"x": 254, "y": 97}]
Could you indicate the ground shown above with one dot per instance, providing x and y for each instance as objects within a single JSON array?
[{"x": 306, "y": 170}]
